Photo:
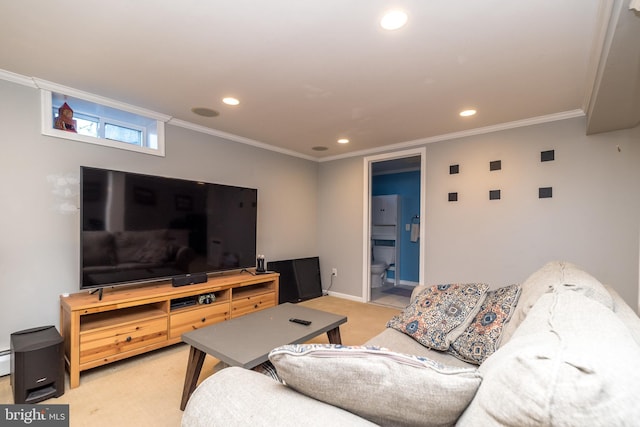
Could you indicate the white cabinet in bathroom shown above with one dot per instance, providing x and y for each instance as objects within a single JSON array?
[
  {"x": 385, "y": 216},
  {"x": 385, "y": 226},
  {"x": 384, "y": 210}
]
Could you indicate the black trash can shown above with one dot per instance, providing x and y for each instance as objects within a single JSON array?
[{"x": 37, "y": 364}]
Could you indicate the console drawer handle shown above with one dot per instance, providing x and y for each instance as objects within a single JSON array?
[
  {"x": 203, "y": 319},
  {"x": 128, "y": 339}
]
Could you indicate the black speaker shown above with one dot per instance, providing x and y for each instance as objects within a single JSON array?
[
  {"x": 199, "y": 277},
  {"x": 37, "y": 364},
  {"x": 188, "y": 279},
  {"x": 299, "y": 279},
  {"x": 308, "y": 277},
  {"x": 288, "y": 290}
]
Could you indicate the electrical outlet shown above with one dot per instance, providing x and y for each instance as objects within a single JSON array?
[{"x": 334, "y": 272}]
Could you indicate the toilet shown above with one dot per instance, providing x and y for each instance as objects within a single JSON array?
[{"x": 383, "y": 257}]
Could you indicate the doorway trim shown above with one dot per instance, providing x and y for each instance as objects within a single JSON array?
[{"x": 366, "y": 213}]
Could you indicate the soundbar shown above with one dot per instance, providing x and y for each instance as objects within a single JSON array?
[{"x": 188, "y": 279}]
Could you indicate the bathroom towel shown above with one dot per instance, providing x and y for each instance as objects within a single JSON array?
[{"x": 415, "y": 232}]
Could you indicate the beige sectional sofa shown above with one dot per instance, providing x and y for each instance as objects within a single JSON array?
[{"x": 565, "y": 353}]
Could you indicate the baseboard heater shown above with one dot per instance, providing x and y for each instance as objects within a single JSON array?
[{"x": 5, "y": 362}]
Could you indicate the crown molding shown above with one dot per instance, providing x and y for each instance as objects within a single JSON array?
[
  {"x": 17, "y": 78},
  {"x": 97, "y": 99},
  {"x": 237, "y": 138},
  {"x": 462, "y": 134}
]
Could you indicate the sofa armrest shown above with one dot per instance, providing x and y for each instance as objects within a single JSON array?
[{"x": 239, "y": 397}]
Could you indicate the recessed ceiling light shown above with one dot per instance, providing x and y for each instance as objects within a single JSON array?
[
  {"x": 343, "y": 141},
  {"x": 393, "y": 20},
  {"x": 467, "y": 113},
  {"x": 230, "y": 101},
  {"x": 205, "y": 112}
]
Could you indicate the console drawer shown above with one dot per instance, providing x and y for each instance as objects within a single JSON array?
[
  {"x": 242, "y": 306},
  {"x": 105, "y": 342},
  {"x": 191, "y": 319}
]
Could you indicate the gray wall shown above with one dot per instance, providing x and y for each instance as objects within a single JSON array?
[
  {"x": 592, "y": 220},
  {"x": 307, "y": 209},
  {"x": 340, "y": 225},
  {"x": 39, "y": 249}
]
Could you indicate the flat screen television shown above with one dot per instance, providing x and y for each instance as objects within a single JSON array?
[{"x": 139, "y": 228}]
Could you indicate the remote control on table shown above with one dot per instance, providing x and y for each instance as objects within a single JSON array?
[{"x": 302, "y": 322}]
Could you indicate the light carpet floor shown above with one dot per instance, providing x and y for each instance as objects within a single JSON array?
[{"x": 146, "y": 390}]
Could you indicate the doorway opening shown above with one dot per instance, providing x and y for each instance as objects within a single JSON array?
[{"x": 394, "y": 233}]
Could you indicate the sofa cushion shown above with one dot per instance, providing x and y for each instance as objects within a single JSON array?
[
  {"x": 440, "y": 313},
  {"x": 382, "y": 386},
  {"x": 402, "y": 343},
  {"x": 555, "y": 275},
  {"x": 574, "y": 279},
  {"x": 572, "y": 362},
  {"x": 482, "y": 337}
]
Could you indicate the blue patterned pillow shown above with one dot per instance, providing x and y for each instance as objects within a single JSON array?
[
  {"x": 440, "y": 313},
  {"x": 482, "y": 337}
]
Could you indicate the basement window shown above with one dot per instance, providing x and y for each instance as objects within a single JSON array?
[{"x": 83, "y": 117}]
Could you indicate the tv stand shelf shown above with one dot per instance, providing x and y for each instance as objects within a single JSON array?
[{"x": 128, "y": 321}]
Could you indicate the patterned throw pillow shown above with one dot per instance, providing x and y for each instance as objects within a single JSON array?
[
  {"x": 437, "y": 315},
  {"x": 383, "y": 386},
  {"x": 482, "y": 337}
]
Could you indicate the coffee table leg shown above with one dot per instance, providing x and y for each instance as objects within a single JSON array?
[
  {"x": 194, "y": 366},
  {"x": 334, "y": 336}
]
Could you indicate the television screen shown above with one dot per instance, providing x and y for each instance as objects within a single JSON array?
[{"x": 142, "y": 228}]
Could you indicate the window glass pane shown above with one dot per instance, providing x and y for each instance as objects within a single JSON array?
[
  {"x": 87, "y": 125},
  {"x": 123, "y": 134}
]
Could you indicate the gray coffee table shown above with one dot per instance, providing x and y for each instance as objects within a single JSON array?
[{"x": 246, "y": 341}]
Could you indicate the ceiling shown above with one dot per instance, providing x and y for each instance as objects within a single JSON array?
[{"x": 310, "y": 72}]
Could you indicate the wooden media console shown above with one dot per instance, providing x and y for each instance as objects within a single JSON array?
[{"x": 128, "y": 321}]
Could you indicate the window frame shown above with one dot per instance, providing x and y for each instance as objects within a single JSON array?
[{"x": 154, "y": 142}]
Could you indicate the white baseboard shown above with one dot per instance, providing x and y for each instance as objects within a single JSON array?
[
  {"x": 5, "y": 364},
  {"x": 344, "y": 296},
  {"x": 361, "y": 299}
]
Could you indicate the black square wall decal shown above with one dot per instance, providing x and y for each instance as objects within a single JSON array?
[
  {"x": 454, "y": 169},
  {"x": 547, "y": 156},
  {"x": 494, "y": 194},
  {"x": 545, "y": 192},
  {"x": 453, "y": 197},
  {"x": 495, "y": 165}
]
